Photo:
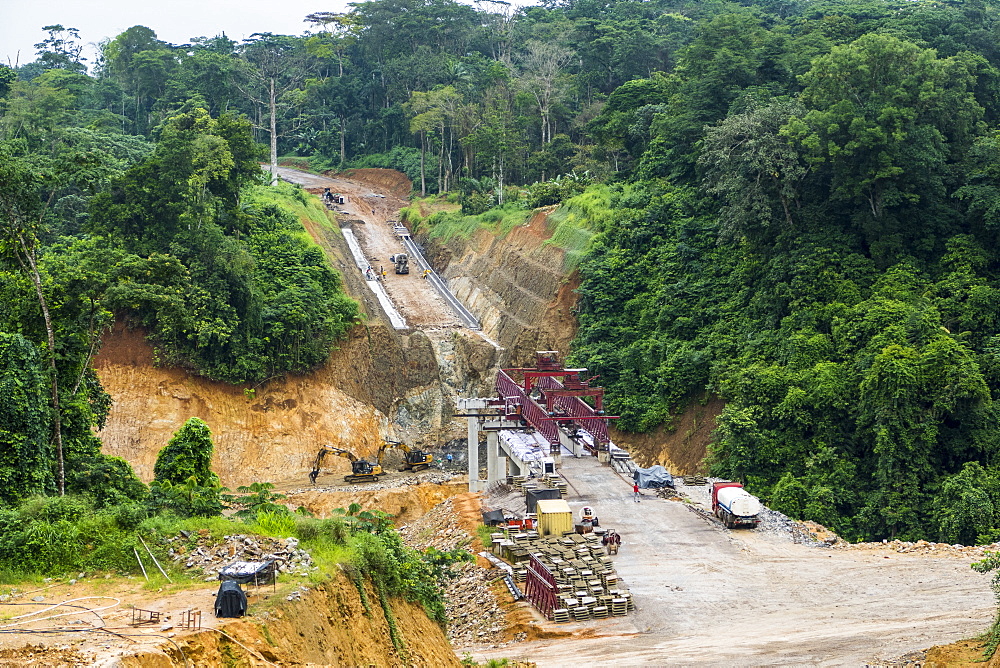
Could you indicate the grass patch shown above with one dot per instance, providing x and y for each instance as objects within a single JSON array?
[
  {"x": 577, "y": 220},
  {"x": 444, "y": 226},
  {"x": 290, "y": 197},
  {"x": 484, "y": 532}
]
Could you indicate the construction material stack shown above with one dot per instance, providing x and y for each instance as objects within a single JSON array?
[{"x": 567, "y": 578}]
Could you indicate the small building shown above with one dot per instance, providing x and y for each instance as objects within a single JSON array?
[{"x": 554, "y": 517}]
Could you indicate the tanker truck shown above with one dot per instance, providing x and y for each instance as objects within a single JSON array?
[{"x": 734, "y": 505}]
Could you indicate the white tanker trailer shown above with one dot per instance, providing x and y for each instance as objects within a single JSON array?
[{"x": 734, "y": 505}]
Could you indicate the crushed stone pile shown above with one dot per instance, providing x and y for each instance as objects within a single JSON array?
[
  {"x": 437, "y": 528},
  {"x": 923, "y": 547},
  {"x": 200, "y": 551},
  {"x": 390, "y": 481},
  {"x": 474, "y": 614}
]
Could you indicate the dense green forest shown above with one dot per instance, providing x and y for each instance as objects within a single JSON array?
[{"x": 791, "y": 205}]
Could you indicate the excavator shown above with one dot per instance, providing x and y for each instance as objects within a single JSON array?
[
  {"x": 361, "y": 469},
  {"x": 413, "y": 459}
]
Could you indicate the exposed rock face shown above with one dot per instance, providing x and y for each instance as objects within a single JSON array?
[
  {"x": 517, "y": 286},
  {"x": 267, "y": 433}
]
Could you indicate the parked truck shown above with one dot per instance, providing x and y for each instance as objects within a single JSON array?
[{"x": 734, "y": 505}]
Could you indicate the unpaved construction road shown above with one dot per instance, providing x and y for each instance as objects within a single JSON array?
[
  {"x": 370, "y": 208},
  {"x": 705, "y": 595}
]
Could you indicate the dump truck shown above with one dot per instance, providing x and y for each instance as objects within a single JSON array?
[
  {"x": 401, "y": 262},
  {"x": 734, "y": 505},
  {"x": 361, "y": 470},
  {"x": 413, "y": 458}
]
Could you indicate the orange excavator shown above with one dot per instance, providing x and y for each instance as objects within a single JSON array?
[
  {"x": 413, "y": 459},
  {"x": 361, "y": 469}
]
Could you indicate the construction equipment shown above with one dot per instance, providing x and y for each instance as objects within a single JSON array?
[
  {"x": 401, "y": 263},
  {"x": 413, "y": 459},
  {"x": 734, "y": 505},
  {"x": 361, "y": 470}
]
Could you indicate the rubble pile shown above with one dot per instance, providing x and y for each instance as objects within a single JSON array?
[
  {"x": 667, "y": 493},
  {"x": 924, "y": 548},
  {"x": 473, "y": 611},
  {"x": 390, "y": 481},
  {"x": 437, "y": 528},
  {"x": 771, "y": 521},
  {"x": 474, "y": 614},
  {"x": 202, "y": 552}
]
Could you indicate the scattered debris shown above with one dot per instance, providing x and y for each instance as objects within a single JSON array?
[
  {"x": 387, "y": 481},
  {"x": 471, "y": 604},
  {"x": 202, "y": 553}
]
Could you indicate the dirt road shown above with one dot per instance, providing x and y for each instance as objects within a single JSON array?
[
  {"x": 368, "y": 208},
  {"x": 705, "y": 595}
]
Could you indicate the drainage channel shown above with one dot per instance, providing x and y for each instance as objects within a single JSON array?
[
  {"x": 397, "y": 320},
  {"x": 458, "y": 307}
]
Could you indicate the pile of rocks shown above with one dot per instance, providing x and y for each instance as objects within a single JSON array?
[
  {"x": 437, "y": 528},
  {"x": 473, "y": 610},
  {"x": 200, "y": 551},
  {"x": 474, "y": 614},
  {"x": 923, "y": 547}
]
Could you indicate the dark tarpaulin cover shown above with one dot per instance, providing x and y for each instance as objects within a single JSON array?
[
  {"x": 493, "y": 517},
  {"x": 533, "y": 496},
  {"x": 653, "y": 477},
  {"x": 230, "y": 601}
]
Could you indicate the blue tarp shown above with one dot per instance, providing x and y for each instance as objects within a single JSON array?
[{"x": 653, "y": 477}]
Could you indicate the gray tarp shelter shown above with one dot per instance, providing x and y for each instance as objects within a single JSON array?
[
  {"x": 230, "y": 601},
  {"x": 654, "y": 477}
]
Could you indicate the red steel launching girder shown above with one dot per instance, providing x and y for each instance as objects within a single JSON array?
[
  {"x": 540, "y": 587},
  {"x": 561, "y": 401},
  {"x": 519, "y": 404},
  {"x": 573, "y": 408}
]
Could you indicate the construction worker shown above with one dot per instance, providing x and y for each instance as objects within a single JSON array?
[
  {"x": 635, "y": 491},
  {"x": 426, "y": 272}
]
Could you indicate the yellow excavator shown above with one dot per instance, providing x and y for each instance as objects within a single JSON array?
[
  {"x": 361, "y": 469},
  {"x": 413, "y": 459}
]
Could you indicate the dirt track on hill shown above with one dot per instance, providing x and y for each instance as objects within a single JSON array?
[{"x": 373, "y": 199}]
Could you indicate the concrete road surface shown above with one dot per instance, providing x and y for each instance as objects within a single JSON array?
[{"x": 705, "y": 595}]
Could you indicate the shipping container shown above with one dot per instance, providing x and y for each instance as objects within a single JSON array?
[{"x": 554, "y": 517}]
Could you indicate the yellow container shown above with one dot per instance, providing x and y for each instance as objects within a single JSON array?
[{"x": 554, "y": 517}]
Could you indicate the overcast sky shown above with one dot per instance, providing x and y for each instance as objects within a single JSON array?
[{"x": 174, "y": 21}]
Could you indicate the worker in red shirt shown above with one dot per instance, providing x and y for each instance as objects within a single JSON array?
[{"x": 635, "y": 491}]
